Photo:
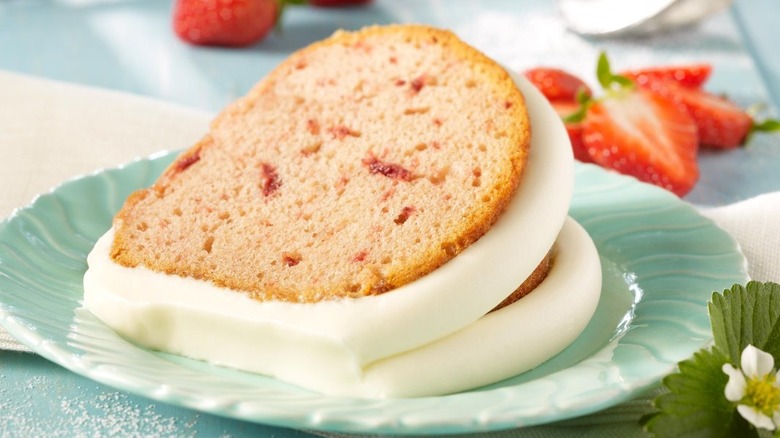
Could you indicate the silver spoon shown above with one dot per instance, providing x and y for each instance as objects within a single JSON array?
[{"x": 634, "y": 17}]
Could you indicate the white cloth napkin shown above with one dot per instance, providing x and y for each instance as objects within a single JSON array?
[
  {"x": 755, "y": 224},
  {"x": 51, "y": 131}
]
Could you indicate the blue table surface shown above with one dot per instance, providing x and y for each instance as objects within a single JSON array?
[{"x": 128, "y": 45}]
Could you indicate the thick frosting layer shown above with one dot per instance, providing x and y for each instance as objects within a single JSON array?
[
  {"x": 350, "y": 346},
  {"x": 194, "y": 319}
]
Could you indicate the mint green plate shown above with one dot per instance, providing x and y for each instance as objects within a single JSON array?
[{"x": 661, "y": 263}]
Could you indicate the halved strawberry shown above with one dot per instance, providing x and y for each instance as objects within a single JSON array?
[
  {"x": 721, "y": 123},
  {"x": 691, "y": 75},
  {"x": 574, "y": 129},
  {"x": 556, "y": 84},
  {"x": 641, "y": 133}
]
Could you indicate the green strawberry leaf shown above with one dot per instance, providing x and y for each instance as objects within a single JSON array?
[
  {"x": 607, "y": 79},
  {"x": 585, "y": 101},
  {"x": 696, "y": 404},
  {"x": 747, "y": 315}
]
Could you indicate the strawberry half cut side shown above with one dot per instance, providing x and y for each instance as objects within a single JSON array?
[
  {"x": 643, "y": 134},
  {"x": 721, "y": 123}
]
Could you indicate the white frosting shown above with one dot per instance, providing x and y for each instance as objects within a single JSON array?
[
  {"x": 377, "y": 346},
  {"x": 222, "y": 327},
  {"x": 505, "y": 342}
]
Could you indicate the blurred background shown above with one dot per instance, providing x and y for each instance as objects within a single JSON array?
[{"x": 129, "y": 45}]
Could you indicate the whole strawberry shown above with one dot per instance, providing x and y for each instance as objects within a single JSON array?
[{"x": 228, "y": 23}]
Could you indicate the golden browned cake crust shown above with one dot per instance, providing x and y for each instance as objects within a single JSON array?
[
  {"x": 360, "y": 164},
  {"x": 535, "y": 279}
]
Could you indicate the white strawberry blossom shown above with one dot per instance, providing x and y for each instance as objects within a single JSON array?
[{"x": 755, "y": 387}]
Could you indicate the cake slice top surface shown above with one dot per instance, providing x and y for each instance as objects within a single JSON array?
[{"x": 360, "y": 164}]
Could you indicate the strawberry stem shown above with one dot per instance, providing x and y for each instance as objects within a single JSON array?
[{"x": 768, "y": 125}]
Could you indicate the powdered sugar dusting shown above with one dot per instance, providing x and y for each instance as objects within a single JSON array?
[
  {"x": 110, "y": 413},
  {"x": 516, "y": 40}
]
